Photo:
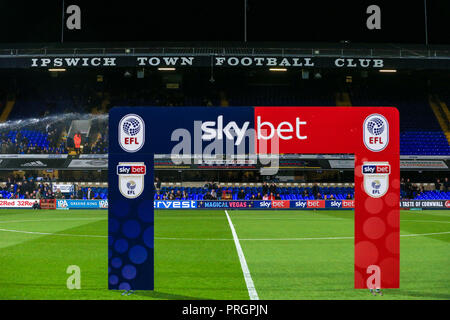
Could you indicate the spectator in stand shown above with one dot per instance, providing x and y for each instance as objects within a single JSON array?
[
  {"x": 58, "y": 194},
  {"x": 438, "y": 185},
  {"x": 157, "y": 184},
  {"x": 185, "y": 195},
  {"x": 241, "y": 195},
  {"x": 214, "y": 185},
  {"x": 331, "y": 197},
  {"x": 36, "y": 205},
  {"x": 207, "y": 196},
  {"x": 446, "y": 184},
  {"x": 409, "y": 189},
  {"x": 79, "y": 194},
  {"x": 258, "y": 196},
  {"x": 273, "y": 188},
  {"x": 305, "y": 193},
  {"x": 77, "y": 142},
  {"x": 253, "y": 197},
  {"x": 315, "y": 189},
  {"x": 213, "y": 194},
  {"x": 89, "y": 194},
  {"x": 266, "y": 197},
  {"x": 420, "y": 191},
  {"x": 278, "y": 197},
  {"x": 265, "y": 188},
  {"x": 18, "y": 193},
  {"x": 318, "y": 196},
  {"x": 348, "y": 197}
]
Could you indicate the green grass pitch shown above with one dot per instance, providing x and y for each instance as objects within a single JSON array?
[{"x": 290, "y": 255}]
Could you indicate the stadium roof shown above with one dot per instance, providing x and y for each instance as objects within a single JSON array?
[{"x": 342, "y": 49}]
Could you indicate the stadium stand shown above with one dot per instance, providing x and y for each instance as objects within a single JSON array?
[
  {"x": 286, "y": 193},
  {"x": 424, "y": 117},
  {"x": 32, "y": 187},
  {"x": 420, "y": 132}
]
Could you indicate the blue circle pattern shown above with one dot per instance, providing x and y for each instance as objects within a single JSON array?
[
  {"x": 124, "y": 286},
  {"x": 121, "y": 245},
  {"x": 137, "y": 254},
  {"x": 113, "y": 279},
  {"x": 116, "y": 262},
  {"x": 129, "y": 272},
  {"x": 131, "y": 229}
]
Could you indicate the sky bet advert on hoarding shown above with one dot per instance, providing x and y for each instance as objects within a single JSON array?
[{"x": 371, "y": 134}]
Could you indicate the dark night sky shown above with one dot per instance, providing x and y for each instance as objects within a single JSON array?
[{"x": 223, "y": 20}]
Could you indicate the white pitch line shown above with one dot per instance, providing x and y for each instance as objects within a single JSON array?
[
  {"x": 51, "y": 219},
  {"x": 55, "y": 234},
  {"x": 247, "y": 276},
  {"x": 295, "y": 239},
  {"x": 214, "y": 239}
]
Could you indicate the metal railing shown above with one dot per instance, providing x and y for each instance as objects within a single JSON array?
[{"x": 231, "y": 51}]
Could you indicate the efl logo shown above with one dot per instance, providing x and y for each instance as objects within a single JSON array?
[
  {"x": 131, "y": 178},
  {"x": 131, "y": 133},
  {"x": 376, "y": 132},
  {"x": 376, "y": 178}
]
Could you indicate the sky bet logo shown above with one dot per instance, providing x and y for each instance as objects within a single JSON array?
[
  {"x": 131, "y": 133},
  {"x": 131, "y": 178},
  {"x": 213, "y": 130},
  {"x": 386, "y": 169},
  {"x": 376, "y": 178},
  {"x": 265, "y": 129},
  {"x": 336, "y": 204},
  {"x": 376, "y": 132}
]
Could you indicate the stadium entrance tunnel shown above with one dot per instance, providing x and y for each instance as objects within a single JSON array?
[{"x": 137, "y": 133}]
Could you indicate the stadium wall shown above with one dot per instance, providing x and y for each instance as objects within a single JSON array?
[{"x": 220, "y": 204}]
